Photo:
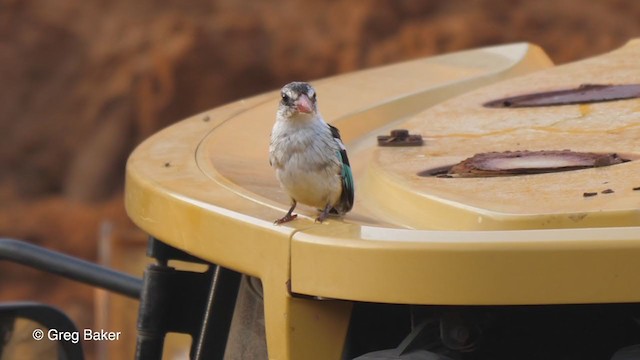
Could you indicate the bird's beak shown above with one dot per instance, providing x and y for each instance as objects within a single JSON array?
[{"x": 304, "y": 104}]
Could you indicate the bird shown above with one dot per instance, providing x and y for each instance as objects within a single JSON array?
[{"x": 308, "y": 155}]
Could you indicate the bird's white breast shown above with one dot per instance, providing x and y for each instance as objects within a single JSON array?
[{"x": 304, "y": 154}]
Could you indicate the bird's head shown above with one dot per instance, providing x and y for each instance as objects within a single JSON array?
[{"x": 298, "y": 98}]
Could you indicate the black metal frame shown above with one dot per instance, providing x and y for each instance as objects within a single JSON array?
[
  {"x": 171, "y": 300},
  {"x": 198, "y": 304},
  {"x": 69, "y": 267},
  {"x": 49, "y": 317}
]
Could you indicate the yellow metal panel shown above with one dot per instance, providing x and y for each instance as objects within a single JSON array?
[
  {"x": 168, "y": 196},
  {"x": 204, "y": 185},
  {"x": 558, "y": 266},
  {"x": 362, "y": 105},
  {"x": 459, "y": 128}
]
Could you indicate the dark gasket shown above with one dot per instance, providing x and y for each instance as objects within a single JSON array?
[{"x": 584, "y": 94}]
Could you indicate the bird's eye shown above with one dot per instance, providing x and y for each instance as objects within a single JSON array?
[
  {"x": 285, "y": 97},
  {"x": 313, "y": 96}
]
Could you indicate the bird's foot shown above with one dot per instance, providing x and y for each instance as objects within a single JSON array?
[
  {"x": 323, "y": 214},
  {"x": 285, "y": 219}
]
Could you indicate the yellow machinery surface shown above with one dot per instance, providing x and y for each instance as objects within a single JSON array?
[{"x": 204, "y": 185}]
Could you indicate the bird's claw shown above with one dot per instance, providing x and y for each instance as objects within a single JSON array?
[
  {"x": 285, "y": 219},
  {"x": 323, "y": 214}
]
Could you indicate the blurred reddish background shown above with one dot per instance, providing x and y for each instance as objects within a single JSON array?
[{"x": 83, "y": 82}]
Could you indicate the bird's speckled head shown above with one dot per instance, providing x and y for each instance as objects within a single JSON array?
[{"x": 297, "y": 98}]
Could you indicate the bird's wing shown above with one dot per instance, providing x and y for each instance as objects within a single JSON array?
[{"x": 348, "y": 189}]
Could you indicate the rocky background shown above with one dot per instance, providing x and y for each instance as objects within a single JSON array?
[{"x": 83, "y": 82}]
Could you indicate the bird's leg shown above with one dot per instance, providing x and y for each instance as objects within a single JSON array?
[
  {"x": 323, "y": 215},
  {"x": 290, "y": 216}
]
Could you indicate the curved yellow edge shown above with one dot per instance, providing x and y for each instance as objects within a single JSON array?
[
  {"x": 210, "y": 197},
  {"x": 557, "y": 266}
]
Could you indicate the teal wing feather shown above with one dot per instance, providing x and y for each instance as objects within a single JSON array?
[{"x": 348, "y": 189}]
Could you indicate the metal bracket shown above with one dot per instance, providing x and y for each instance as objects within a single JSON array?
[
  {"x": 188, "y": 302},
  {"x": 400, "y": 137}
]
